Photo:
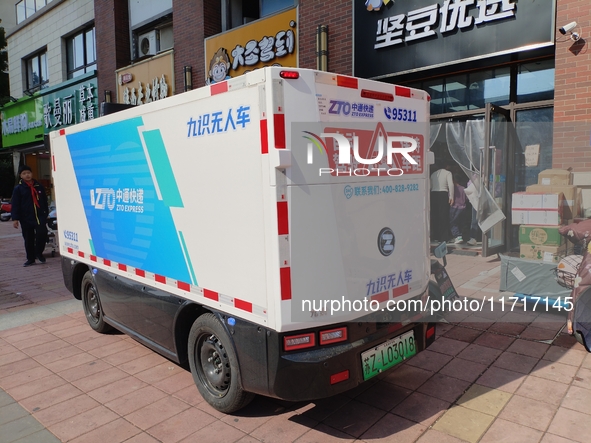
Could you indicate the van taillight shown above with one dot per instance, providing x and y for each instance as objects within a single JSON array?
[
  {"x": 292, "y": 75},
  {"x": 301, "y": 341},
  {"x": 376, "y": 95},
  {"x": 333, "y": 336}
]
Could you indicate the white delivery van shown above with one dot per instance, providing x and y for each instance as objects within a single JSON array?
[{"x": 258, "y": 228}]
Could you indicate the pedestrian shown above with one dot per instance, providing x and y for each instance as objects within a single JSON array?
[
  {"x": 30, "y": 209},
  {"x": 442, "y": 197},
  {"x": 457, "y": 215}
]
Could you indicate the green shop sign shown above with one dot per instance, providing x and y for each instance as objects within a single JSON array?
[
  {"x": 22, "y": 122},
  {"x": 69, "y": 103}
]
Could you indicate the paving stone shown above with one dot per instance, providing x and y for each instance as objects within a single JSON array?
[
  {"x": 503, "y": 431},
  {"x": 484, "y": 399},
  {"x": 543, "y": 390},
  {"x": 573, "y": 425},
  {"x": 463, "y": 423},
  {"x": 421, "y": 408},
  {"x": 528, "y": 412}
]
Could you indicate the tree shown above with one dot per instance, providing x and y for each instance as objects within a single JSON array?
[{"x": 4, "y": 85}]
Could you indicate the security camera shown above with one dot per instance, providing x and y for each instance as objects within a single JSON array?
[{"x": 568, "y": 28}]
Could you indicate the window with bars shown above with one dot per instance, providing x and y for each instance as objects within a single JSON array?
[{"x": 81, "y": 53}]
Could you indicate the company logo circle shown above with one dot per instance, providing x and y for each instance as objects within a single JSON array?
[
  {"x": 386, "y": 241},
  {"x": 348, "y": 192}
]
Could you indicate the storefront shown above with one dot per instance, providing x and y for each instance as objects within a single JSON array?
[
  {"x": 266, "y": 42},
  {"x": 489, "y": 69},
  {"x": 27, "y": 122},
  {"x": 146, "y": 81}
]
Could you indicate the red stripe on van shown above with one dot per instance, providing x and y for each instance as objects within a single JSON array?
[
  {"x": 140, "y": 273},
  {"x": 62, "y": 132},
  {"x": 218, "y": 88},
  {"x": 160, "y": 278},
  {"x": 122, "y": 267},
  {"x": 244, "y": 305},
  {"x": 382, "y": 297},
  {"x": 53, "y": 162},
  {"x": 400, "y": 290},
  {"x": 70, "y": 250},
  {"x": 264, "y": 136},
  {"x": 80, "y": 254},
  {"x": 93, "y": 258},
  {"x": 279, "y": 124},
  {"x": 107, "y": 262},
  {"x": 402, "y": 91},
  {"x": 211, "y": 295},
  {"x": 183, "y": 286},
  {"x": 285, "y": 278},
  {"x": 282, "y": 218}
]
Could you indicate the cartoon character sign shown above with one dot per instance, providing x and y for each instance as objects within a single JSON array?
[
  {"x": 219, "y": 67},
  {"x": 375, "y": 5}
]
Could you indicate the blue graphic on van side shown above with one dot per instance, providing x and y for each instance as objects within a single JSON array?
[{"x": 128, "y": 222}]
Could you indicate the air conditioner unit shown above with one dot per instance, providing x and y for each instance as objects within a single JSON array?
[{"x": 148, "y": 43}]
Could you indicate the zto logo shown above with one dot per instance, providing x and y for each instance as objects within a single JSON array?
[
  {"x": 364, "y": 165},
  {"x": 101, "y": 198},
  {"x": 386, "y": 241}
]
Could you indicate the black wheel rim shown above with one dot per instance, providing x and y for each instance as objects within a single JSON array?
[
  {"x": 213, "y": 365},
  {"x": 91, "y": 301}
]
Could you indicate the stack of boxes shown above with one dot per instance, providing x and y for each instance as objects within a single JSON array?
[{"x": 541, "y": 210}]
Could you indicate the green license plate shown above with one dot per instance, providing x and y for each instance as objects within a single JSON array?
[{"x": 388, "y": 354}]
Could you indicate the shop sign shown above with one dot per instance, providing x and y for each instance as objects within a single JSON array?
[
  {"x": 267, "y": 42},
  {"x": 69, "y": 105},
  {"x": 22, "y": 122},
  {"x": 420, "y": 34},
  {"x": 147, "y": 81},
  {"x": 125, "y": 78}
]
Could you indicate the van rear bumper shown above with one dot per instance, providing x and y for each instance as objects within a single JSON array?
[{"x": 303, "y": 376}]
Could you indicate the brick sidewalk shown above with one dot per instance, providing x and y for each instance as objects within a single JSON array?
[{"x": 510, "y": 377}]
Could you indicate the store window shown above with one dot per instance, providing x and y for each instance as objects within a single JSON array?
[
  {"x": 26, "y": 8},
  {"x": 81, "y": 53},
  {"x": 469, "y": 91},
  {"x": 36, "y": 72},
  {"x": 535, "y": 81},
  {"x": 239, "y": 12}
]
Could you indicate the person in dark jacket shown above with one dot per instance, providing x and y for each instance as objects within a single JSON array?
[{"x": 30, "y": 209}]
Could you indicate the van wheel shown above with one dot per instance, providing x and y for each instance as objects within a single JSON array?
[
  {"x": 214, "y": 365},
  {"x": 92, "y": 305}
]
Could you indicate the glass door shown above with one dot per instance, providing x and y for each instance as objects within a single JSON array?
[{"x": 495, "y": 170}]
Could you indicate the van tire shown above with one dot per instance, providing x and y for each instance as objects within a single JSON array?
[
  {"x": 214, "y": 365},
  {"x": 91, "y": 303}
]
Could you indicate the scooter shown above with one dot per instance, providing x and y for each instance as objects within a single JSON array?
[
  {"x": 5, "y": 208},
  {"x": 442, "y": 288}
]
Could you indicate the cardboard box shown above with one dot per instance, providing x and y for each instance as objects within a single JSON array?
[
  {"x": 529, "y": 208},
  {"x": 572, "y": 197},
  {"x": 582, "y": 179},
  {"x": 535, "y": 217},
  {"x": 548, "y": 254},
  {"x": 540, "y": 235},
  {"x": 551, "y": 177},
  {"x": 538, "y": 200}
]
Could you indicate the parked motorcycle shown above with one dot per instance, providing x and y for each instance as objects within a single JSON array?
[{"x": 5, "y": 208}]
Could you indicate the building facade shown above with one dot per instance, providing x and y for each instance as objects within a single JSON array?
[{"x": 500, "y": 67}]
